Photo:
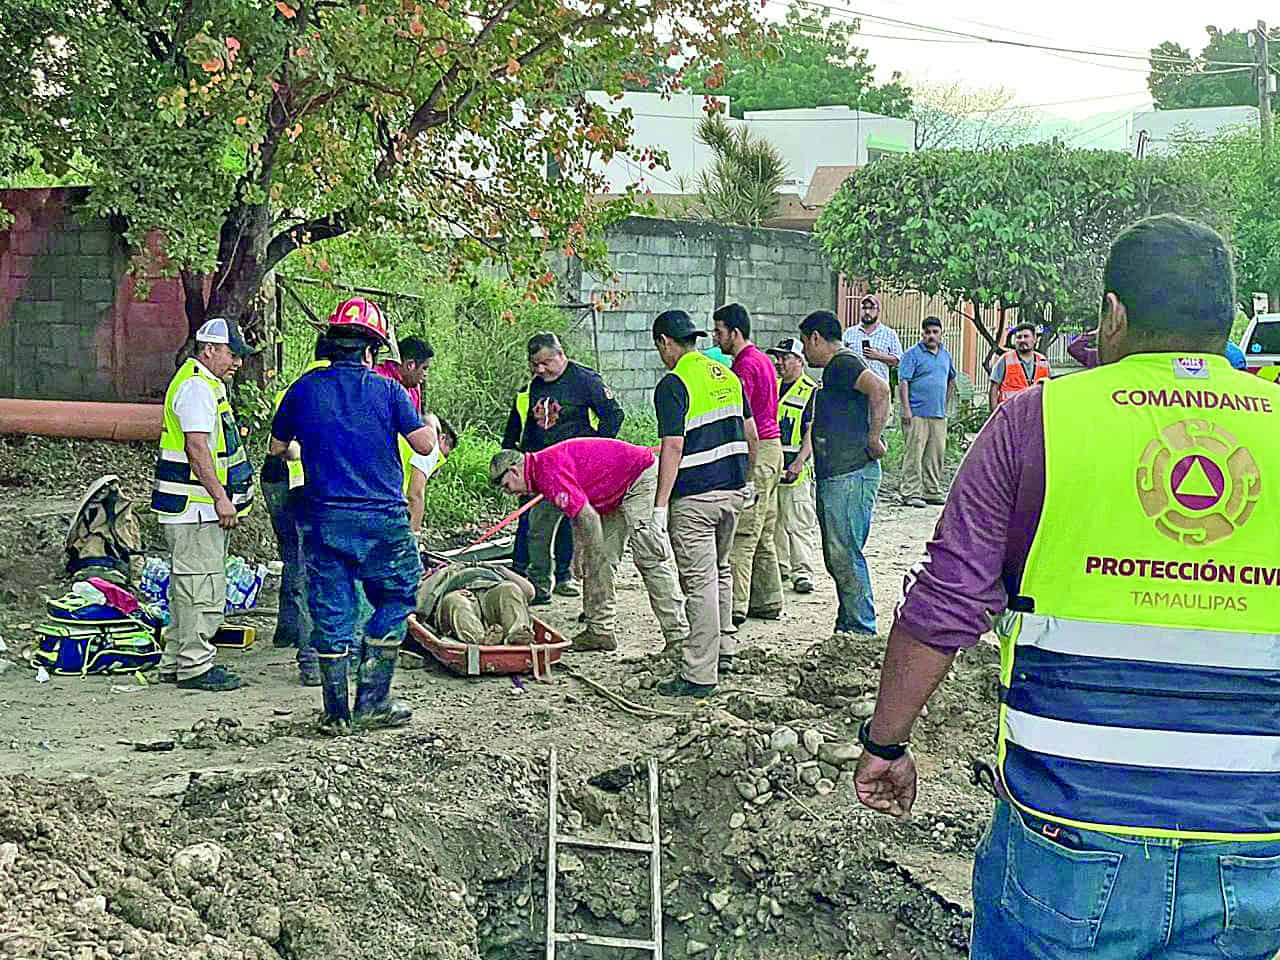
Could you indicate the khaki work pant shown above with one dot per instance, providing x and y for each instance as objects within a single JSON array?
[
  {"x": 922, "y": 464},
  {"x": 197, "y": 596},
  {"x": 702, "y": 527},
  {"x": 501, "y": 611},
  {"x": 650, "y": 549},
  {"x": 757, "y": 585},
  {"x": 796, "y": 536}
]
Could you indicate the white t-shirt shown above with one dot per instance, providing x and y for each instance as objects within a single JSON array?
[
  {"x": 196, "y": 408},
  {"x": 425, "y": 464}
]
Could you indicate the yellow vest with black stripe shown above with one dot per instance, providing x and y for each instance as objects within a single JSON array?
[
  {"x": 1140, "y": 662},
  {"x": 791, "y": 407},
  {"x": 522, "y": 412},
  {"x": 296, "y": 475},
  {"x": 175, "y": 486},
  {"x": 715, "y": 443}
]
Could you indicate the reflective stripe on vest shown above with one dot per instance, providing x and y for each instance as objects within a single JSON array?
[
  {"x": 791, "y": 409},
  {"x": 1143, "y": 687},
  {"x": 1015, "y": 378},
  {"x": 714, "y": 429},
  {"x": 175, "y": 486},
  {"x": 297, "y": 477},
  {"x": 522, "y": 413}
]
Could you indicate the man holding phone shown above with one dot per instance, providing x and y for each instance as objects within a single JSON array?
[{"x": 874, "y": 343}]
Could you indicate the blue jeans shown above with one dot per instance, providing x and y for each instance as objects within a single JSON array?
[
  {"x": 844, "y": 514},
  {"x": 563, "y": 547},
  {"x": 1119, "y": 898},
  {"x": 293, "y": 622},
  {"x": 371, "y": 548}
]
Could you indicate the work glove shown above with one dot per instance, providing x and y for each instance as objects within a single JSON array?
[
  {"x": 749, "y": 491},
  {"x": 659, "y": 519}
]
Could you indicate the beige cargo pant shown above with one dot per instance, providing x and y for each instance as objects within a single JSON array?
[
  {"x": 702, "y": 527},
  {"x": 650, "y": 550},
  {"x": 757, "y": 584},
  {"x": 197, "y": 596},
  {"x": 501, "y": 611},
  {"x": 922, "y": 465},
  {"x": 796, "y": 536}
]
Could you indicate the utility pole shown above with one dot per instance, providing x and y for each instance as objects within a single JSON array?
[{"x": 1263, "y": 80}]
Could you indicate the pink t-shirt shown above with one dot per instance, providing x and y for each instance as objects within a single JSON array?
[
  {"x": 585, "y": 470},
  {"x": 760, "y": 381},
  {"x": 391, "y": 370}
]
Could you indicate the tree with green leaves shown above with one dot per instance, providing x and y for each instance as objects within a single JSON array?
[
  {"x": 1251, "y": 186},
  {"x": 1212, "y": 78},
  {"x": 244, "y": 131},
  {"x": 807, "y": 61},
  {"x": 1025, "y": 228}
]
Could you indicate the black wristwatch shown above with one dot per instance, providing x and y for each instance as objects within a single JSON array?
[{"x": 888, "y": 752}]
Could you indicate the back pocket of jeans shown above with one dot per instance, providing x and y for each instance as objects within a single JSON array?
[
  {"x": 1251, "y": 895},
  {"x": 1057, "y": 893}
]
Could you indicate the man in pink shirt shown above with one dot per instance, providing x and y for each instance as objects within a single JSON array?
[
  {"x": 409, "y": 367},
  {"x": 606, "y": 488},
  {"x": 757, "y": 584}
]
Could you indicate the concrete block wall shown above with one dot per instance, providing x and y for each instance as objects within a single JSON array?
[
  {"x": 70, "y": 328},
  {"x": 778, "y": 275}
]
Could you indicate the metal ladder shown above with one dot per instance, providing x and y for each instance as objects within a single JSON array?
[{"x": 653, "y": 849}]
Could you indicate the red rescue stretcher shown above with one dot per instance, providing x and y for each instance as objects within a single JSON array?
[{"x": 474, "y": 659}]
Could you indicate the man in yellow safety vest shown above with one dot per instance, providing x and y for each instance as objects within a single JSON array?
[
  {"x": 203, "y": 484},
  {"x": 1134, "y": 577},
  {"x": 796, "y": 536}
]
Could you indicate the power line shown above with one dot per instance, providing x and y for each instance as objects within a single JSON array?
[{"x": 849, "y": 13}]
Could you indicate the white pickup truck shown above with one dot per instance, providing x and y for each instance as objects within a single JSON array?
[{"x": 1261, "y": 346}]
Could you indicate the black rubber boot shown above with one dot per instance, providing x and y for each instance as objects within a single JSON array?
[
  {"x": 337, "y": 711},
  {"x": 374, "y": 706}
]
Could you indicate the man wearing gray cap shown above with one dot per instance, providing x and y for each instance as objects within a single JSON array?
[
  {"x": 203, "y": 485},
  {"x": 796, "y": 534}
]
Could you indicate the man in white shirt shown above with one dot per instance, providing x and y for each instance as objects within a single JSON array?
[
  {"x": 877, "y": 344},
  {"x": 203, "y": 484}
]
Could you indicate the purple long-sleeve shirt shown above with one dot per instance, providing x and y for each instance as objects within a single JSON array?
[
  {"x": 974, "y": 561},
  {"x": 1080, "y": 351}
]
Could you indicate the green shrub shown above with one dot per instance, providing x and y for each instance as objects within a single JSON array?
[
  {"x": 640, "y": 427},
  {"x": 460, "y": 492}
]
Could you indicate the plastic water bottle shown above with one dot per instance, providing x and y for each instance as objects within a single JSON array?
[
  {"x": 243, "y": 583},
  {"x": 154, "y": 583}
]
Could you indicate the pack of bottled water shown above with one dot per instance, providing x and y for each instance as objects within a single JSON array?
[{"x": 244, "y": 583}]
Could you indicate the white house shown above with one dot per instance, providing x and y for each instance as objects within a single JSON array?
[
  {"x": 1164, "y": 127},
  {"x": 806, "y": 138}
]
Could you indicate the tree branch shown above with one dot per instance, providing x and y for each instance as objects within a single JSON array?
[{"x": 309, "y": 231}]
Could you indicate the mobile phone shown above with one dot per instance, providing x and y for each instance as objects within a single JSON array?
[{"x": 866, "y": 345}]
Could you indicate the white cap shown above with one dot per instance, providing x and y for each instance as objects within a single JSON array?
[{"x": 221, "y": 330}]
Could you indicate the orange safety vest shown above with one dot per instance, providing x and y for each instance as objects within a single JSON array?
[{"x": 1015, "y": 378}]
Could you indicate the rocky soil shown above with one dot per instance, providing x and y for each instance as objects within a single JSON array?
[{"x": 245, "y": 835}]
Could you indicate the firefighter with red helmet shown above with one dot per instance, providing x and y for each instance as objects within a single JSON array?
[{"x": 347, "y": 421}]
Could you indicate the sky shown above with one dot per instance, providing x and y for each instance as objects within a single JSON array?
[{"x": 1039, "y": 77}]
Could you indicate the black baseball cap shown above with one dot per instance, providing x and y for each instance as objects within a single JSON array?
[{"x": 677, "y": 325}]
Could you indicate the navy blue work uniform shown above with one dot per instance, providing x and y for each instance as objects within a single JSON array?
[{"x": 347, "y": 419}]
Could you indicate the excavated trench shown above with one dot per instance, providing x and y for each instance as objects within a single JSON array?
[{"x": 399, "y": 846}]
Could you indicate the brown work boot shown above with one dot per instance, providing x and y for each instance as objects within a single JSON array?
[{"x": 589, "y": 640}]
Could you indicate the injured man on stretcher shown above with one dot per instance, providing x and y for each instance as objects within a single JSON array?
[{"x": 477, "y": 603}]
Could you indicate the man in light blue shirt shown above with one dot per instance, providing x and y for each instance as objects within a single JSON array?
[{"x": 926, "y": 384}]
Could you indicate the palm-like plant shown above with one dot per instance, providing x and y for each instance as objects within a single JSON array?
[{"x": 742, "y": 184}]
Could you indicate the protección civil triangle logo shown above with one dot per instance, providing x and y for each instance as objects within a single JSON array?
[{"x": 1198, "y": 483}]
